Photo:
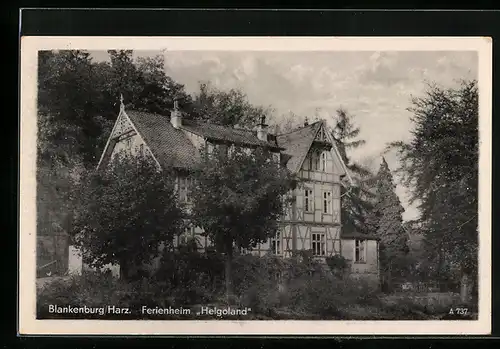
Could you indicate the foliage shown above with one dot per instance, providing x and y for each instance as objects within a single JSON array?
[
  {"x": 440, "y": 165},
  {"x": 256, "y": 281},
  {"x": 301, "y": 292},
  {"x": 192, "y": 277},
  {"x": 237, "y": 198},
  {"x": 338, "y": 264},
  {"x": 356, "y": 197},
  {"x": 80, "y": 98},
  {"x": 126, "y": 212},
  {"x": 227, "y": 108},
  {"x": 100, "y": 290},
  {"x": 285, "y": 123},
  {"x": 77, "y": 106},
  {"x": 386, "y": 221}
]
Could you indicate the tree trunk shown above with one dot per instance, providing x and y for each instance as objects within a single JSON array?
[
  {"x": 440, "y": 268},
  {"x": 228, "y": 274},
  {"x": 389, "y": 277},
  {"x": 124, "y": 269}
]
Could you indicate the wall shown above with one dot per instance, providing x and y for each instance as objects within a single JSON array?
[
  {"x": 371, "y": 264},
  {"x": 131, "y": 143},
  {"x": 299, "y": 224}
]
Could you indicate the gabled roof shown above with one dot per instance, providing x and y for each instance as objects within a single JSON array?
[
  {"x": 225, "y": 133},
  {"x": 297, "y": 144},
  {"x": 170, "y": 146}
]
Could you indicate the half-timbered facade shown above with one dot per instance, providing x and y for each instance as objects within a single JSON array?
[{"x": 312, "y": 222}]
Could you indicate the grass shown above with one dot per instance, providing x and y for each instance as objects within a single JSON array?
[{"x": 311, "y": 299}]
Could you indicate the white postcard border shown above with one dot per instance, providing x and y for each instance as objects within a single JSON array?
[{"x": 28, "y": 324}]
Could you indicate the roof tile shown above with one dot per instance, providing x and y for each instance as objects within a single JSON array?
[
  {"x": 297, "y": 144},
  {"x": 170, "y": 146}
]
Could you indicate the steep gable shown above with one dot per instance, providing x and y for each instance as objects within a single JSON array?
[
  {"x": 178, "y": 147},
  {"x": 123, "y": 134},
  {"x": 298, "y": 143}
]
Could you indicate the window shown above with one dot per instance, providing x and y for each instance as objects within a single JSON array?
[
  {"x": 276, "y": 157},
  {"x": 327, "y": 202},
  {"x": 308, "y": 200},
  {"x": 223, "y": 149},
  {"x": 183, "y": 189},
  {"x": 276, "y": 244},
  {"x": 323, "y": 161},
  {"x": 360, "y": 251},
  {"x": 314, "y": 161},
  {"x": 128, "y": 142},
  {"x": 317, "y": 161},
  {"x": 210, "y": 148},
  {"x": 318, "y": 244}
]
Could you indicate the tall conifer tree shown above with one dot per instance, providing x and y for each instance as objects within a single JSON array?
[{"x": 386, "y": 221}]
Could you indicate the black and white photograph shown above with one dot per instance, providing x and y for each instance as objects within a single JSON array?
[{"x": 174, "y": 184}]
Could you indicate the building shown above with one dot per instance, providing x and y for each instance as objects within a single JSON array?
[{"x": 313, "y": 220}]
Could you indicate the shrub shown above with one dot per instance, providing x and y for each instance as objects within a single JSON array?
[
  {"x": 90, "y": 289},
  {"x": 255, "y": 282},
  {"x": 192, "y": 277},
  {"x": 299, "y": 283},
  {"x": 338, "y": 265}
]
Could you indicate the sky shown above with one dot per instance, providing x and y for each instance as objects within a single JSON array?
[{"x": 375, "y": 87}]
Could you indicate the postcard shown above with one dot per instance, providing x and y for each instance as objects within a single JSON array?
[{"x": 255, "y": 185}]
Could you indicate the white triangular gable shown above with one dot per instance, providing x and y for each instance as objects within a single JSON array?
[
  {"x": 336, "y": 155},
  {"x": 321, "y": 135},
  {"x": 124, "y": 127}
]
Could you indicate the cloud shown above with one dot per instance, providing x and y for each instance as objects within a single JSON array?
[{"x": 376, "y": 87}]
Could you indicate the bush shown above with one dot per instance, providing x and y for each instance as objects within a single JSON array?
[
  {"x": 192, "y": 277},
  {"x": 269, "y": 284},
  {"x": 338, "y": 265},
  {"x": 255, "y": 282},
  {"x": 294, "y": 288}
]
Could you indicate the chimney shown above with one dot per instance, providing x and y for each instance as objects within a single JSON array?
[
  {"x": 175, "y": 115},
  {"x": 262, "y": 129},
  {"x": 122, "y": 106}
]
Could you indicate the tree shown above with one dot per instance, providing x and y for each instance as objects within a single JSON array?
[
  {"x": 59, "y": 137},
  {"x": 286, "y": 122},
  {"x": 237, "y": 199},
  {"x": 440, "y": 165},
  {"x": 356, "y": 197},
  {"x": 81, "y": 97},
  {"x": 227, "y": 108},
  {"x": 387, "y": 221},
  {"x": 77, "y": 107},
  {"x": 126, "y": 213},
  {"x": 143, "y": 83}
]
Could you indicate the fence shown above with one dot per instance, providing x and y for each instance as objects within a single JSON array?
[{"x": 424, "y": 287}]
